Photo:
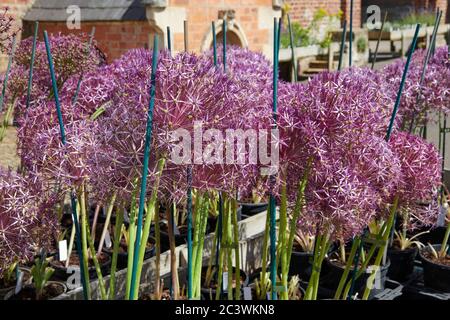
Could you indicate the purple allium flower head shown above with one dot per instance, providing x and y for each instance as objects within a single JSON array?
[
  {"x": 340, "y": 123},
  {"x": 434, "y": 93},
  {"x": 70, "y": 57},
  {"x": 68, "y": 164},
  {"x": 420, "y": 177},
  {"x": 26, "y": 220},
  {"x": 37, "y": 120},
  {"x": 96, "y": 90}
]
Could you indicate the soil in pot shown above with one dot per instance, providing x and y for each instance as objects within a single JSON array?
[
  {"x": 61, "y": 271},
  {"x": 210, "y": 291},
  {"x": 51, "y": 290},
  {"x": 180, "y": 238},
  {"x": 122, "y": 256},
  {"x": 6, "y": 286},
  {"x": 164, "y": 296},
  {"x": 436, "y": 273},
  {"x": 402, "y": 263},
  {"x": 330, "y": 279}
]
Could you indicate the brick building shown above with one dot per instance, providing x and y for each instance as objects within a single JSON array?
[{"x": 125, "y": 24}]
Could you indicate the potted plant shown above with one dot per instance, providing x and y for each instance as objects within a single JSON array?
[
  {"x": 436, "y": 263},
  {"x": 403, "y": 250},
  {"x": 8, "y": 279},
  {"x": 302, "y": 254},
  {"x": 40, "y": 288}
]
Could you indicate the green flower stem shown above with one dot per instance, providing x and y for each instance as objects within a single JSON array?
[
  {"x": 84, "y": 241},
  {"x": 221, "y": 257},
  {"x": 365, "y": 263},
  {"x": 108, "y": 219},
  {"x": 173, "y": 258},
  {"x": 265, "y": 252},
  {"x": 209, "y": 273},
  {"x": 311, "y": 283},
  {"x": 355, "y": 246},
  {"x": 442, "y": 252},
  {"x": 158, "y": 254},
  {"x": 283, "y": 242},
  {"x": 380, "y": 254},
  {"x": 151, "y": 208},
  {"x": 236, "y": 249},
  {"x": 131, "y": 240},
  {"x": 299, "y": 204},
  {"x": 117, "y": 235},
  {"x": 101, "y": 282},
  {"x": 323, "y": 244},
  {"x": 198, "y": 247},
  {"x": 229, "y": 250}
]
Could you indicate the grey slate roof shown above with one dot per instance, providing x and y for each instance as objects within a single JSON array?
[{"x": 91, "y": 10}]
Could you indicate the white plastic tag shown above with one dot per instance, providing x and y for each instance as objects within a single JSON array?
[
  {"x": 108, "y": 243},
  {"x": 62, "y": 245},
  {"x": 441, "y": 217},
  {"x": 225, "y": 281},
  {"x": 19, "y": 283},
  {"x": 247, "y": 293}
]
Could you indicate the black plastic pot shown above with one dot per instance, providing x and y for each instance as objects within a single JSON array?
[
  {"x": 62, "y": 275},
  {"x": 250, "y": 209},
  {"x": 402, "y": 263},
  {"x": 28, "y": 292},
  {"x": 180, "y": 238},
  {"x": 335, "y": 271},
  {"x": 435, "y": 235},
  {"x": 301, "y": 264},
  {"x": 208, "y": 292},
  {"x": 435, "y": 276},
  {"x": 122, "y": 257}
]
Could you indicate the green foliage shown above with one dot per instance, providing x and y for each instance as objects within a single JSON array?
[
  {"x": 424, "y": 18},
  {"x": 304, "y": 36},
  {"x": 41, "y": 273},
  {"x": 10, "y": 273},
  {"x": 361, "y": 45}
]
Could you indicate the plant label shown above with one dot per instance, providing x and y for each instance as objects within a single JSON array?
[
  {"x": 441, "y": 217},
  {"x": 62, "y": 245},
  {"x": 247, "y": 293},
  {"x": 176, "y": 231},
  {"x": 225, "y": 281},
  {"x": 108, "y": 243},
  {"x": 19, "y": 283}
]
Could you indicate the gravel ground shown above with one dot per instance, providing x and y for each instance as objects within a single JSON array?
[{"x": 8, "y": 149}]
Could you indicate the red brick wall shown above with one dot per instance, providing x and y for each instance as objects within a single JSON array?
[
  {"x": 200, "y": 13},
  {"x": 113, "y": 38},
  {"x": 303, "y": 10},
  {"x": 345, "y": 7}
]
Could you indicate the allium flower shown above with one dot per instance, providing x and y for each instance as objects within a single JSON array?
[
  {"x": 42, "y": 118},
  {"x": 189, "y": 89},
  {"x": 433, "y": 94},
  {"x": 96, "y": 90},
  {"x": 420, "y": 177},
  {"x": 27, "y": 222},
  {"x": 67, "y": 164},
  {"x": 70, "y": 57},
  {"x": 339, "y": 124}
]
